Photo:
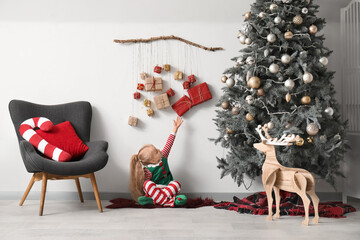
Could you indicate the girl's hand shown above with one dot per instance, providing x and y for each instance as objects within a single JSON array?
[{"x": 177, "y": 123}]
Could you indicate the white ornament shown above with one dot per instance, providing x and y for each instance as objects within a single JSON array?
[
  {"x": 242, "y": 39},
  {"x": 305, "y": 11},
  {"x": 248, "y": 41},
  {"x": 273, "y": 7},
  {"x": 249, "y": 100},
  {"x": 307, "y": 77},
  {"x": 337, "y": 137},
  {"x": 277, "y": 20},
  {"x": 266, "y": 52},
  {"x": 261, "y": 15},
  {"x": 329, "y": 111},
  {"x": 287, "y": 1},
  {"x": 230, "y": 82},
  {"x": 240, "y": 60},
  {"x": 271, "y": 38},
  {"x": 250, "y": 60},
  {"x": 324, "y": 61},
  {"x": 289, "y": 84},
  {"x": 285, "y": 59},
  {"x": 274, "y": 68},
  {"x": 226, "y": 137}
]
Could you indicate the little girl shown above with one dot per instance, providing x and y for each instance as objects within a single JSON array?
[{"x": 151, "y": 181}]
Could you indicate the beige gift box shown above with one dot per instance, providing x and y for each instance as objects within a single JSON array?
[
  {"x": 133, "y": 121},
  {"x": 153, "y": 84},
  {"x": 162, "y": 101}
]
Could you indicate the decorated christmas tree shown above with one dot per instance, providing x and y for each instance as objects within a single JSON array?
[{"x": 281, "y": 79}]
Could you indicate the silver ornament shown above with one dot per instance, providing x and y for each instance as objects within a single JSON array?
[
  {"x": 305, "y": 11},
  {"x": 277, "y": 20},
  {"x": 250, "y": 60},
  {"x": 270, "y": 125},
  {"x": 307, "y": 77},
  {"x": 242, "y": 39},
  {"x": 266, "y": 52},
  {"x": 248, "y": 41},
  {"x": 261, "y": 15},
  {"x": 226, "y": 137},
  {"x": 324, "y": 61},
  {"x": 312, "y": 129},
  {"x": 285, "y": 59},
  {"x": 246, "y": 28},
  {"x": 303, "y": 54},
  {"x": 249, "y": 100},
  {"x": 329, "y": 111},
  {"x": 337, "y": 137},
  {"x": 230, "y": 82},
  {"x": 274, "y": 68},
  {"x": 273, "y": 7},
  {"x": 271, "y": 38},
  {"x": 289, "y": 84}
]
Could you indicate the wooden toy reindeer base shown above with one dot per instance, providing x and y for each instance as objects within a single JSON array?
[{"x": 275, "y": 176}]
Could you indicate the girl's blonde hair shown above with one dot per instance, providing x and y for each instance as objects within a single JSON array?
[{"x": 137, "y": 175}]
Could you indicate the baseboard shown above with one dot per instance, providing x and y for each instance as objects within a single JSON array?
[{"x": 35, "y": 195}]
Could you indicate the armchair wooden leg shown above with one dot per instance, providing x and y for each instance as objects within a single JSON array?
[
  {"x": 43, "y": 191},
  {"x": 31, "y": 183},
  {"x": 96, "y": 192},
  {"x": 77, "y": 181}
]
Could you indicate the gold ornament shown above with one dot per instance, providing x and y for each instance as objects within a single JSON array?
[
  {"x": 312, "y": 129},
  {"x": 254, "y": 82},
  {"x": 247, "y": 15},
  {"x": 298, "y": 20},
  {"x": 235, "y": 110},
  {"x": 313, "y": 29},
  {"x": 305, "y": 100},
  {"x": 147, "y": 103},
  {"x": 260, "y": 92},
  {"x": 223, "y": 79},
  {"x": 150, "y": 112},
  {"x": 288, "y": 35},
  {"x": 310, "y": 139},
  {"x": 225, "y": 105},
  {"x": 249, "y": 117},
  {"x": 299, "y": 141},
  {"x": 288, "y": 97},
  {"x": 229, "y": 131}
]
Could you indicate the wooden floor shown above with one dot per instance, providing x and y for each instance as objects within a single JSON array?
[{"x": 75, "y": 220}]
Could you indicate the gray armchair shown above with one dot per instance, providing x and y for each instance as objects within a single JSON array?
[{"x": 43, "y": 169}]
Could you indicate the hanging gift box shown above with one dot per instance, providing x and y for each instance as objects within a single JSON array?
[
  {"x": 192, "y": 78},
  {"x": 153, "y": 84},
  {"x": 133, "y": 121},
  {"x": 178, "y": 75},
  {"x": 199, "y": 93},
  {"x": 182, "y": 105},
  {"x": 166, "y": 67},
  {"x": 170, "y": 92},
  {"x": 157, "y": 69},
  {"x": 162, "y": 101},
  {"x": 136, "y": 95},
  {"x": 150, "y": 112},
  {"x": 186, "y": 85},
  {"x": 140, "y": 86},
  {"x": 143, "y": 75},
  {"x": 147, "y": 103}
]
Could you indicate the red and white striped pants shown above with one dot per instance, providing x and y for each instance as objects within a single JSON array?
[{"x": 162, "y": 196}]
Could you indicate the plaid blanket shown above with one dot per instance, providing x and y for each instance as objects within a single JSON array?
[{"x": 290, "y": 204}]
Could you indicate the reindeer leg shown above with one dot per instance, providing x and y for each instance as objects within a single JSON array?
[
  {"x": 268, "y": 188},
  {"x": 301, "y": 180},
  {"x": 277, "y": 200},
  {"x": 315, "y": 201}
]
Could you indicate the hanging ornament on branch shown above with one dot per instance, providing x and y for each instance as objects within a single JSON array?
[
  {"x": 305, "y": 100},
  {"x": 324, "y": 61},
  {"x": 297, "y": 20},
  {"x": 288, "y": 35},
  {"x": 312, "y": 129},
  {"x": 254, "y": 82},
  {"x": 307, "y": 77},
  {"x": 313, "y": 29}
]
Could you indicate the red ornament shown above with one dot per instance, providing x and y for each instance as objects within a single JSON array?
[
  {"x": 157, "y": 69},
  {"x": 186, "y": 85},
  {"x": 199, "y": 93},
  {"x": 136, "y": 95},
  {"x": 192, "y": 78},
  {"x": 170, "y": 92},
  {"x": 182, "y": 105},
  {"x": 140, "y": 86}
]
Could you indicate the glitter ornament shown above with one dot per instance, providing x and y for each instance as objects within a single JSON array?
[
  {"x": 271, "y": 38},
  {"x": 310, "y": 139},
  {"x": 288, "y": 35},
  {"x": 250, "y": 60},
  {"x": 254, "y": 82},
  {"x": 223, "y": 79},
  {"x": 324, "y": 61},
  {"x": 297, "y": 20},
  {"x": 274, "y": 68},
  {"x": 289, "y": 84},
  {"x": 249, "y": 100},
  {"x": 307, "y": 77},
  {"x": 329, "y": 111},
  {"x": 285, "y": 59},
  {"x": 299, "y": 141},
  {"x": 277, "y": 20},
  {"x": 230, "y": 82},
  {"x": 312, "y": 129}
]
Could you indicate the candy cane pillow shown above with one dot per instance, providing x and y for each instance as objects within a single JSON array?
[{"x": 49, "y": 150}]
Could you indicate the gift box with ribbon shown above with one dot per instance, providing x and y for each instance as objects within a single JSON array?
[
  {"x": 182, "y": 105},
  {"x": 186, "y": 85},
  {"x": 166, "y": 67},
  {"x": 136, "y": 95},
  {"x": 178, "y": 75},
  {"x": 157, "y": 69},
  {"x": 140, "y": 86},
  {"x": 199, "y": 94},
  {"x": 133, "y": 121},
  {"x": 153, "y": 84},
  {"x": 162, "y": 101},
  {"x": 170, "y": 92},
  {"x": 191, "y": 78}
]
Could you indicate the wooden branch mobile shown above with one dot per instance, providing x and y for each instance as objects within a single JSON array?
[{"x": 171, "y": 37}]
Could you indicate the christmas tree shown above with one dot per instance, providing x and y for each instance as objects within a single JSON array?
[{"x": 281, "y": 79}]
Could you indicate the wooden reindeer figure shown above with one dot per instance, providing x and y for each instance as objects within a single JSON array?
[{"x": 275, "y": 176}]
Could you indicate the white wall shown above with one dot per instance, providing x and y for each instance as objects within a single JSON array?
[{"x": 60, "y": 51}]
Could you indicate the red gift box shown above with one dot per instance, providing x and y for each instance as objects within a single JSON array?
[
  {"x": 199, "y": 93},
  {"x": 170, "y": 92},
  {"x": 140, "y": 86},
  {"x": 182, "y": 105},
  {"x": 192, "y": 78},
  {"x": 136, "y": 95},
  {"x": 186, "y": 85},
  {"x": 157, "y": 69}
]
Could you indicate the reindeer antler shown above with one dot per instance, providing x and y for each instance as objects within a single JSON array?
[{"x": 285, "y": 140}]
